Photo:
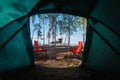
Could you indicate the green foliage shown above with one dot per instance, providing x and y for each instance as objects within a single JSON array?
[{"x": 58, "y": 24}]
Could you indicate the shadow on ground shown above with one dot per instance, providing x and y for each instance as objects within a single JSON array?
[{"x": 42, "y": 73}]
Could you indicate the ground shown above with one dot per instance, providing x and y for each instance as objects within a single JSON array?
[
  {"x": 58, "y": 57},
  {"x": 60, "y": 66},
  {"x": 42, "y": 73}
]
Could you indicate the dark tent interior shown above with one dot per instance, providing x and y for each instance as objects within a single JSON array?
[{"x": 101, "y": 56}]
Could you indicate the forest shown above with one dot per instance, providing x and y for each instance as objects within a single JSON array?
[{"x": 57, "y": 24}]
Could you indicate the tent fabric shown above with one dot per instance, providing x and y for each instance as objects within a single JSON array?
[
  {"x": 14, "y": 53},
  {"x": 76, "y": 7},
  {"x": 11, "y": 10},
  {"x": 102, "y": 42},
  {"x": 105, "y": 56},
  {"x": 10, "y": 30},
  {"x": 104, "y": 51},
  {"x": 15, "y": 42}
]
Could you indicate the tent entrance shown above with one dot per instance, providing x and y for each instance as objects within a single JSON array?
[{"x": 57, "y": 33}]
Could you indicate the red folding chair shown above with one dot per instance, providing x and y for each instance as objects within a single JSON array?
[
  {"x": 39, "y": 49},
  {"x": 78, "y": 49}
]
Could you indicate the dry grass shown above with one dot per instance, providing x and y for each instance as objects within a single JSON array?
[{"x": 63, "y": 63}]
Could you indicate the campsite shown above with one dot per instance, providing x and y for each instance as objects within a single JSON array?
[{"x": 59, "y": 40}]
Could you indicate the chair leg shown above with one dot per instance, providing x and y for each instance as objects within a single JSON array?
[
  {"x": 46, "y": 55},
  {"x": 77, "y": 56}
]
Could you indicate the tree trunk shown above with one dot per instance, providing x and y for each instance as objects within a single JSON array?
[
  {"x": 84, "y": 31},
  {"x": 69, "y": 35},
  {"x": 43, "y": 33}
]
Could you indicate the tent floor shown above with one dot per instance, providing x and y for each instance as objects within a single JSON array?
[{"x": 42, "y": 73}]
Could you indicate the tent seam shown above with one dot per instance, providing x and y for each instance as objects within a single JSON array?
[
  {"x": 117, "y": 52},
  {"x": 109, "y": 27}
]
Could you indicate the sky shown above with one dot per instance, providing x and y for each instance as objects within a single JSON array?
[{"x": 75, "y": 37}]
